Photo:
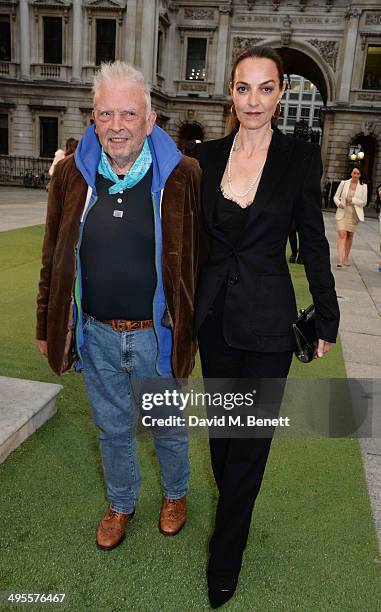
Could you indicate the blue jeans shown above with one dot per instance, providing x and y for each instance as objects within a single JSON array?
[{"x": 111, "y": 361}]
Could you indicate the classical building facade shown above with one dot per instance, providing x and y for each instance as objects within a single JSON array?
[{"x": 49, "y": 50}]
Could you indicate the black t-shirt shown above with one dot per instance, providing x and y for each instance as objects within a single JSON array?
[{"x": 118, "y": 253}]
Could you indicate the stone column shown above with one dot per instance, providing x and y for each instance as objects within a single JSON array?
[
  {"x": 222, "y": 44},
  {"x": 147, "y": 40},
  {"x": 77, "y": 41},
  {"x": 172, "y": 53},
  {"x": 353, "y": 16},
  {"x": 25, "y": 50},
  {"x": 130, "y": 28}
]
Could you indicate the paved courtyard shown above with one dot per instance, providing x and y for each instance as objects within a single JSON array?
[{"x": 21, "y": 207}]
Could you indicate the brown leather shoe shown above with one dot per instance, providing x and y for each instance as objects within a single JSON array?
[
  {"x": 173, "y": 516},
  {"x": 111, "y": 529}
]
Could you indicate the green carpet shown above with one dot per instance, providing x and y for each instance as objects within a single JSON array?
[{"x": 312, "y": 547}]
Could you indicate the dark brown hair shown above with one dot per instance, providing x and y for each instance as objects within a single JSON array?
[
  {"x": 71, "y": 145},
  {"x": 251, "y": 52},
  {"x": 362, "y": 177}
]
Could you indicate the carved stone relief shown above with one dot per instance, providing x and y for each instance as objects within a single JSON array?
[
  {"x": 373, "y": 18},
  {"x": 194, "y": 87},
  {"x": 199, "y": 14},
  {"x": 368, "y": 127},
  {"x": 371, "y": 97},
  {"x": 241, "y": 43},
  {"x": 328, "y": 49},
  {"x": 352, "y": 12},
  {"x": 286, "y": 33}
]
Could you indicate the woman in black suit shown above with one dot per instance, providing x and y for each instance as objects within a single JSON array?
[{"x": 256, "y": 181}]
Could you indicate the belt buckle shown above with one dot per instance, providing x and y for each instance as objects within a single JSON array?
[{"x": 118, "y": 326}]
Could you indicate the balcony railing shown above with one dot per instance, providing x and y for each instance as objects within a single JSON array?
[
  {"x": 26, "y": 171},
  {"x": 8, "y": 69},
  {"x": 52, "y": 72}
]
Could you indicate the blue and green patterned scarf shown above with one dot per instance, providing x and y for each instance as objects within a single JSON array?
[{"x": 135, "y": 174}]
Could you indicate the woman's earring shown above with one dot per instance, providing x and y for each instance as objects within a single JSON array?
[{"x": 232, "y": 109}]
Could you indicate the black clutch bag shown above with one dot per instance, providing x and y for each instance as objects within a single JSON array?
[{"x": 305, "y": 334}]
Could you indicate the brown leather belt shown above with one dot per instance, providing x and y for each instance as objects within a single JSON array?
[{"x": 123, "y": 325}]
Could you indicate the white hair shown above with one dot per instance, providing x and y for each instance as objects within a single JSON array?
[{"x": 116, "y": 71}]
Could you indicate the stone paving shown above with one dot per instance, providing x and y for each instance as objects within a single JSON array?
[
  {"x": 21, "y": 207},
  {"x": 359, "y": 291}
]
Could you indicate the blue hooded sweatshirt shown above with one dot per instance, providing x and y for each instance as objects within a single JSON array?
[{"x": 165, "y": 157}]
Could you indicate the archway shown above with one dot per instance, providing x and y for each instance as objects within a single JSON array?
[
  {"x": 297, "y": 62},
  {"x": 189, "y": 132}
]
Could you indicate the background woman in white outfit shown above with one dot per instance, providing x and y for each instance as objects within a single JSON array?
[{"x": 350, "y": 199}]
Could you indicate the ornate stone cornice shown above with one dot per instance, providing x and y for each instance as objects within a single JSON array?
[
  {"x": 52, "y": 3},
  {"x": 328, "y": 49},
  {"x": 352, "y": 12},
  {"x": 102, "y": 4},
  {"x": 365, "y": 35}
]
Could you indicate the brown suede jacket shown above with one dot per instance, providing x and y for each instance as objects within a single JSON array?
[{"x": 183, "y": 243}]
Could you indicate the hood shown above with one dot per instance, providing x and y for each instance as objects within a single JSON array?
[{"x": 165, "y": 156}]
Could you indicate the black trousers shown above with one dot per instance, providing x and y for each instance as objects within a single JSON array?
[{"x": 238, "y": 463}]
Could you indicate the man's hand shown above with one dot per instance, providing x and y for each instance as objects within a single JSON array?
[
  {"x": 322, "y": 348},
  {"x": 42, "y": 346}
]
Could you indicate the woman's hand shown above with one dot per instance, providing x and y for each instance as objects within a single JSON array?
[
  {"x": 42, "y": 346},
  {"x": 322, "y": 348}
]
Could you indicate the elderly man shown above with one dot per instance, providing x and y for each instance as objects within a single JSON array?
[{"x": 119, "y": 265}]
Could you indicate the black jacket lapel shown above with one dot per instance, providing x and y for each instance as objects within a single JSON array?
[
  {"x": 212, "y": 178},
  {"x": 278, "y": 159}
]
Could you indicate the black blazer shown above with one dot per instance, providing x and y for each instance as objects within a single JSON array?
[{"x": 260, "y": 302}]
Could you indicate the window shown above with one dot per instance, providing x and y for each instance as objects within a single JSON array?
[
  {"x": 196, "y": 56},
  {"x": 291, "y": 115},
  {"x": 3, "y": 134},
  {"x": 295, "y": 85},
  {"x": 316, "y": 119},
  {"x": 48, "y": 136},
  {"x": 293, "y": 96},
  {"x": 159, "y": 56},
  {"x": 305, "y": 114},
  {"x": 372, "y": 74},
  {"x": 105, "y": 45},
  {"x": 5, "y": 38},
  {"x": 308, "y": 86},
  {"x": 52, "y": 40}
]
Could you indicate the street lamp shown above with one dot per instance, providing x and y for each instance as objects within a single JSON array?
[{"x": 356, "y": 153}]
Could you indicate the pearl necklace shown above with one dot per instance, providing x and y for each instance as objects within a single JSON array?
[{"x": 255, "y": 179}]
